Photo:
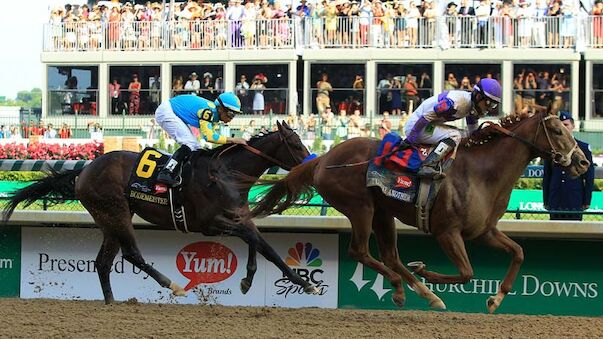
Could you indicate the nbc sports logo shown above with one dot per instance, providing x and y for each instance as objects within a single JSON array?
[{"x": 303, "y": 255}]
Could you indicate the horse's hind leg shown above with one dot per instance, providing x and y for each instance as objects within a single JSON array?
[
  {"x": 103, "y": 263},
  {"x": 385, "y": 233},
  {"x": 498, "y": 239},
  {"x": 359, "y": 251}
]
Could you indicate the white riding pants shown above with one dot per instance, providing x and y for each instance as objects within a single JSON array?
[{"x": 175, "y": 127}]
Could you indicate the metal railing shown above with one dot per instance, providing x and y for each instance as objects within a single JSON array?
[
  {"x": 72, "y": 101},
  {"x": 567, "y": 31},
  {"x": 165, "y": 35}
]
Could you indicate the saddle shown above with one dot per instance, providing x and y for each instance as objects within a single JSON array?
[
  {"x": 143, "y": 185},
  {"x": 394, "y": 171}
]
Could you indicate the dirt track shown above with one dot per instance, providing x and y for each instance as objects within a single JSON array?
[{"x": 50, "y": 318}]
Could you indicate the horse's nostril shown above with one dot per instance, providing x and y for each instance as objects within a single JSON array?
[{"x": 584, "y": 163}]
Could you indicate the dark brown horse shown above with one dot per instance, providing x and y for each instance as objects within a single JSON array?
[
  {"x": 472, "y": 198},
  {"x": 209, "y": 203}
]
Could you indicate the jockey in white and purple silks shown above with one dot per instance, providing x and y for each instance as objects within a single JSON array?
[{"x": 427, "y": 123}]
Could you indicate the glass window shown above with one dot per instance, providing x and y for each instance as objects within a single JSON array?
[
  {"x": 263, "y": 89},
  {"x": 597, "y": 110},
  {"x": 538, "y": 84},
  {"x": 401, "y": 87},
  {"x": 203, "y": 80},
  {"x": 134, "y": 90},
  {"x": 465, "y": 76},
  {"x": 72, "y": 90},
  {"x": 339, "y": 86}
]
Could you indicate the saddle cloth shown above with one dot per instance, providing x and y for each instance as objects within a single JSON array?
[
  {"x": 143, "y": 186},
  {"x": 394, "y": 158}
]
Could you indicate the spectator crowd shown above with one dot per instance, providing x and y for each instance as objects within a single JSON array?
[{"x": 333, "y": 23}]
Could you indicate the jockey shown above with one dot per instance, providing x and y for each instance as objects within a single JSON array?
[
  {"x": 427, "y": 123},
  {"x": 175, "y": 114}
]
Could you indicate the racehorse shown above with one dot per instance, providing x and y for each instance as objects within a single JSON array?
[
  {"x": 210, "y": 201},
  {"x": 472, "y": 198}
]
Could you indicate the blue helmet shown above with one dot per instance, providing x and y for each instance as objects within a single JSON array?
[
  {"x": 490, "y": 88},
  {"x": 229, "y": 101}
]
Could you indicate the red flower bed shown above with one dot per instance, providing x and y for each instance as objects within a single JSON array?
[{"x": 42, "y": 151}]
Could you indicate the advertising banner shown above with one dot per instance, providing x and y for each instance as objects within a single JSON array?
[
  {"x": 10, "y": 261},
  {"x": 59, "y": 263},
  {"x": 531, "y": 200},
  {"x": 315, "y": 258},
  {"x": 558, "y": 277}
]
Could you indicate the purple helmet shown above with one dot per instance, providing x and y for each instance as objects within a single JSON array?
[{"x": 489, "y": 88}]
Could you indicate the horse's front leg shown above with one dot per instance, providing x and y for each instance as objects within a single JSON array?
[
  {"x": 453, "y": 245},
  {"x": 498, "y": 239}
]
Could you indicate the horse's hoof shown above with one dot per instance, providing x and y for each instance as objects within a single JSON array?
[
  {"x": 492, "y": 304},
  {"x": 437, "y": 304},
  {"x": 416, "y": 266},
  {"x": 245, "y": 286},
  {"x": 177, "y": 290},
  {"x": 399, "y": 300},
  {"x": 311, "y": 289}
]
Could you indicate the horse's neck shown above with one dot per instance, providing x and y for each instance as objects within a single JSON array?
[
  {"x": 248, "y": 163},
  {"x": 499, "y": 163}
]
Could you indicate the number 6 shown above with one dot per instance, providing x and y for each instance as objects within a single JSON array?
[{"x": 146, "y": 166}]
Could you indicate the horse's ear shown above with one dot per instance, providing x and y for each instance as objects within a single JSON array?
[
  {"x": 286, "y": 125},
  {"x": 279, "y": 126}
]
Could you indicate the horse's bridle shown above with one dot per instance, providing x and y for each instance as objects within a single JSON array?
[
  {"x": 261, "y": 154},
  {"x": 556, "y": 156}
]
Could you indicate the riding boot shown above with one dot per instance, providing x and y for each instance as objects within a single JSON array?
[
  {"x": 170, "y": 174},
  {"x": 429, "y": 168}
]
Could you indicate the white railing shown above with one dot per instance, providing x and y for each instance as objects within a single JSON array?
[
  {"x": 346, "y": 32},
  {"x": 157, "y": 35}
]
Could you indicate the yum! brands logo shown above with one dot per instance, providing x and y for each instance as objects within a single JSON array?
[
  {"x": 304, "y": 259},
  {"x": 206, "y": 262},
  {"x": 403, "y": 181}
]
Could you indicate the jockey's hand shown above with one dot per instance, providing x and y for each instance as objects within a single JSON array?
[{"x": 239, "y": 141}]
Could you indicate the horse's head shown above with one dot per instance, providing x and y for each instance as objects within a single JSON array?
[
  {"x": 284, "y": 146},
  {"x": 558, "y": 144}
]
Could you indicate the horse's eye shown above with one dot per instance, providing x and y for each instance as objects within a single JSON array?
[{"x": 558, "y": 131}]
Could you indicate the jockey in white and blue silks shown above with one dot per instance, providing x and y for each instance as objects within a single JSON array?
[
  {"x": 177, "y": 114},
  {"x": 427, "y": 123}
]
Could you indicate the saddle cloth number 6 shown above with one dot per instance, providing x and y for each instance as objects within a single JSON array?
[{"x": 147, "y": 164}]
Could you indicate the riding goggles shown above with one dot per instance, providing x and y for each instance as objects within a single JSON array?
[{"x": 491, "y": 104}]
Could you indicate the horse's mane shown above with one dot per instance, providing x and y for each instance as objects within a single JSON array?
[
  {"x": 254, "y": 139},
  {"x": 486, "y": 134}
]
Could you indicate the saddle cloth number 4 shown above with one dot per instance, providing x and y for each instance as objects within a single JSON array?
[{"x": 147, "y": 164}]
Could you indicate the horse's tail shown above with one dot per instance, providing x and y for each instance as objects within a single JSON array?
[
  {"x": 296, "y": 186},
  {"x": 56, "y": 187}
]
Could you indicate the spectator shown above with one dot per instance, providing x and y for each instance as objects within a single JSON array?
[
  {"x": 430, "y": 14},
  {"x": 50, "y": 132},
  {"x": 529, "y": 91},
  {"x": 65, "y": 131},
  {"x": 385, "y": 97},
  {"x": 177, "y": 85},
  {"x": 311, "y": 127},
  {"x": 400, "y": 21},
  {"x": 322, "y": 95},
  {"x": 554, "y": 11},
  {"x": 525, "y": 16},
  {"x": 483, "y": 14},
  {"x": 465, "y": 84},
  {"x": 242, "y": 92},
  {"x": 544, "y": 83},
  {"x": 115, "y": 93},
  {"x": 257, "y": 89},
  {"x": 412, "y": 23},
  {"x": 341, "y": 123},
  {"x": 518, "y": 84},
  {"x": 425, "y": 85},
  {"x": 451, "y": 83},
  {"x": 597, "y": 13},
  {"x": 410, "y": 89},
  {"x": 358, "y": 87},
  {"x": 396, "y": 97},
  {"x": 193, "y": 85},
  {"x": 134, "y": 89},
  {"x": 327, "y": 122},
  {"x": 15, "y": 132},
  {"x": 563, "y": 193},
  {"x": 568, "y": 24},
  {"x": 207, "y": 87},
  {"x": 539, "y": 32},
  {"x": 385, "y": 125},
  {"x": 355, "y": 124}
]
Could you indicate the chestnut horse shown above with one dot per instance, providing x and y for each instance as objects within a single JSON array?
[
  {"x": 209, "y": 200},
  {"x": 472, "y": 198}
]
